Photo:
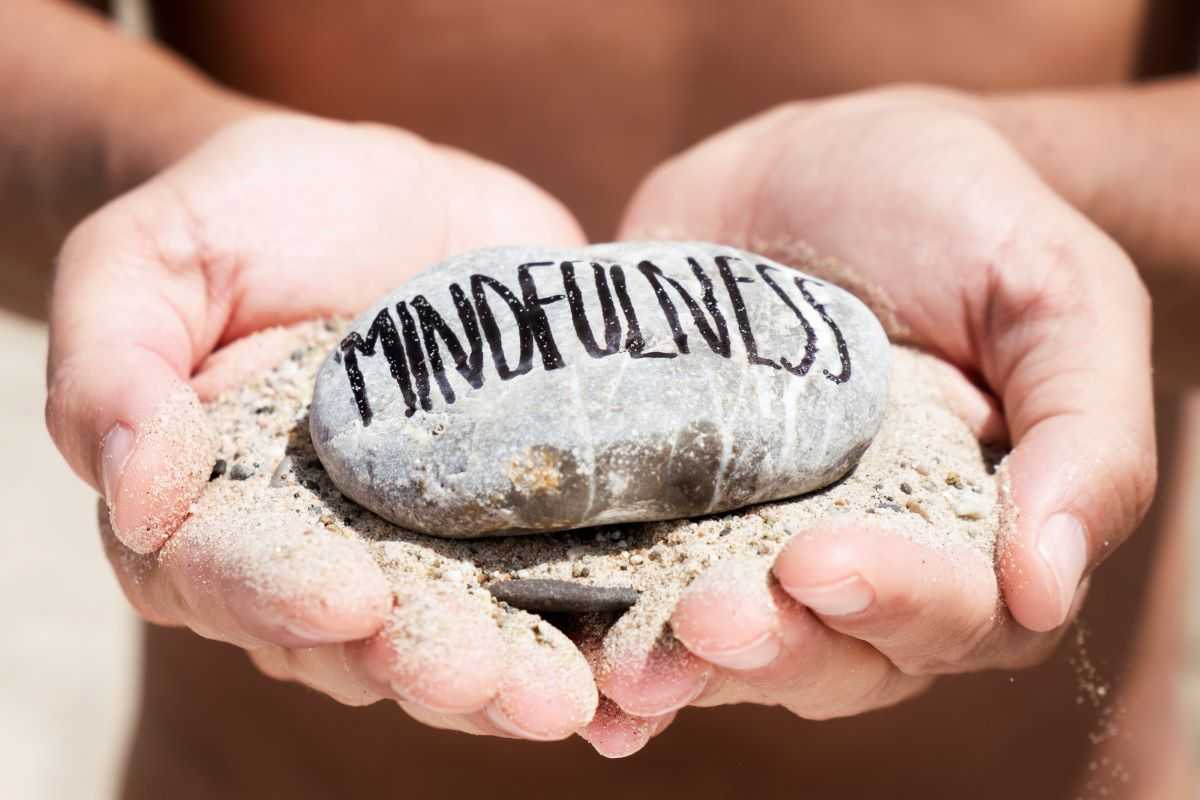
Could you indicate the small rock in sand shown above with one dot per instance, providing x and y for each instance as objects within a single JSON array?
[
  {"x": 566, "y": 597},
  {"x": 968, "y": 505}
]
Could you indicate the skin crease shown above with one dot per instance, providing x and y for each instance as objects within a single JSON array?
[{"x": 205, "y": 276}]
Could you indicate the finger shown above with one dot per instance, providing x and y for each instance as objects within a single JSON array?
[
  {"x": 1069, "y": 345},
  {"x": 728, "y": 617},
  {"x": 658, "y": 210},
  {"x": 329, "y": 669},
  {"x": 125, "y": 329},
  {"x": 272, "y": 662},
  {"x": 518, "y": 211},
  {"x": 929, "y": 611},
  {"x": 316, "y": 666},
  {"x": 244, "y": 360},
  {"x": 547, "y": 691},
  {"x": 450, "y": 722},
  {"x": 668, "y": 678},
  {"x": 775, "y": 651},
  {"x": 438, "y": 650},
  {"x": 615, "y": 734},
  {"x": 255, "y": 581},
  {"x": 135, "y": 573}
]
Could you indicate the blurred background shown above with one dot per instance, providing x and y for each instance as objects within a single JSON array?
[
  {"x": 69, "y": 660},
  {"x": 69, "y": 663},
  {"x": 69, "y": 657}
]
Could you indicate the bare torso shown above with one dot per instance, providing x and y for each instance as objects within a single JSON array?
[{"x": 584, "y": 99}]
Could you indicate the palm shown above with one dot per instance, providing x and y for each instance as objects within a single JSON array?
[
  {"x": 286, "y": 218},
  {"x": 920, "y": 204}
]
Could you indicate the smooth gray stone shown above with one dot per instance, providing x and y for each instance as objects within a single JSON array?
[
  {"x": 517, "y": 390},
  {"x": 544, "y": 595}
]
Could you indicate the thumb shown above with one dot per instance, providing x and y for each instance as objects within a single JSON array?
[
  {"x": 124, "y": 322},
  {"x": 1068, "y": 346}
]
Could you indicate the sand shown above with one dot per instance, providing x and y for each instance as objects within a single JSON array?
[{"x": 924, "y": 477}]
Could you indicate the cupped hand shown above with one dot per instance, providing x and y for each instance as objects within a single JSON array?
[
  {"x": 933, "y": 219},
  {"x": 275, "y": 219}
]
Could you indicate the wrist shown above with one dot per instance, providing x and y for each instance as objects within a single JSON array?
[
  {"x": 1061, "y": 135},
  {"x": 157, "y": 126},
  {"x": 1122, "y": 156}
]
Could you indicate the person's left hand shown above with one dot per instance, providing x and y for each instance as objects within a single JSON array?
[{"x": 964, "y": 252}]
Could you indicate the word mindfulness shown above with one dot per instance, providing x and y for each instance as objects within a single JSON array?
[{"x": 525, "y": 316}]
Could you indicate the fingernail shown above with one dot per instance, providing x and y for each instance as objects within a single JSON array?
[
  {"x": 115, "y": 449},
  {"x": 850, "y": 595},
  {"x": 755, "y": 655},
  {"x": 496, "y": 714},
  {"x": 1063, "y": 546}
]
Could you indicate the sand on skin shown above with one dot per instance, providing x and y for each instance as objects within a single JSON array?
[{"x": 925, "y": 477}]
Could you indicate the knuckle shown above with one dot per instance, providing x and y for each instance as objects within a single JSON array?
[
  {"x": 949, "y": 653},
  {"x": 1044, "y": 287},
  {"x": 975, "y": 638}
]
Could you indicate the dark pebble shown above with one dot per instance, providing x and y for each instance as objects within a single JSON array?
[
  {"x": 543, "y": 595},
  {"x": 240, "y": 472},
  {"x": 904, "y": 487},
  {"x": 218, "y": 469}
]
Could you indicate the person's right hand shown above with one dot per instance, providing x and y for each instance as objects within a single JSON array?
[{"x": 275, "y": 219}]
